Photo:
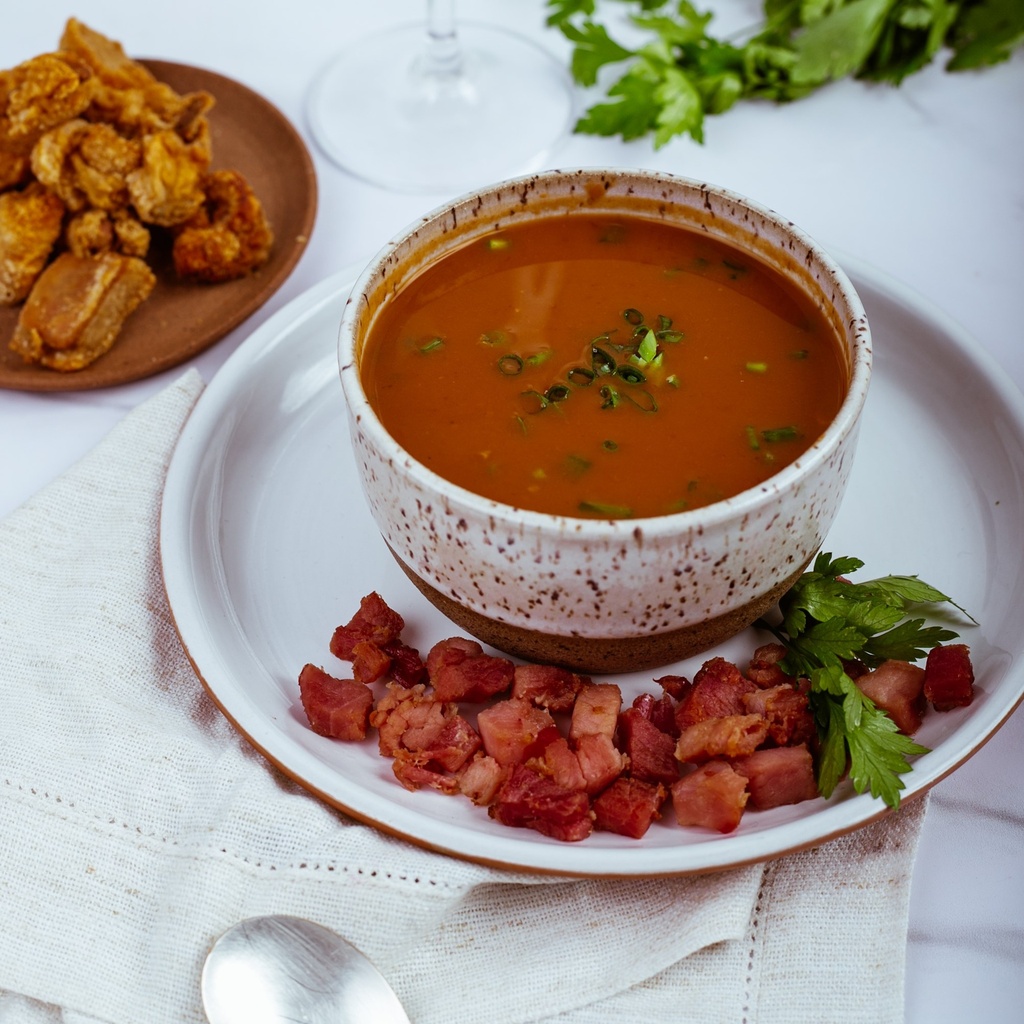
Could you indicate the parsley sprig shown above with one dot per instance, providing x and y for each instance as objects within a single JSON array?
[
  {"x": 680, "y": 71},
  {"x": 828, "y": 620}
]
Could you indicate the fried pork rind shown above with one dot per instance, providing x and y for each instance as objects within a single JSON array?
[
  {"x": 40, "y": 94},
  {"x": 228, "y": 237},
  {"x": 86, "y": 165},
  {"x": 15, "y": 169},
  {"x": 126, "y": 94},
  {"x": 77, "y": 308},
  {"x": 93, "y": 232},
  {"x": 167, "y": 188},
  {"x": 30, "y": 224}
]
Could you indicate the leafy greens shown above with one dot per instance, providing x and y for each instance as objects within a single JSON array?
[
  {"x": 828, "y": 620},
  {"x": 680, "y": 72}
]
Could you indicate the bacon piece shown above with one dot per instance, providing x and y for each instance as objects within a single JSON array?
[
  {"x": 660, "y": 710},
  {"x": 675, "y": 686},
  {"x": 600, "y": 760},
  {"x": 407, "y": 666},
  {"x": 712, "y": 796},
  {"x": 949, "y": 677},
  {"x": 374, "y": 621},
  {"x": 414, "y": 772},
  {"x": 628, "y": 807},
  {"x": 778, "y": 775},
  {"x": 369, "y": 662},
  {"x": 481, "y": 779},
  {"x": 338, "y": 708},
  {"x": 547, "y": 686},
  {"x": 509, "y": 727},
  {"x": 764, "y": 668},
  {"x": 897, "y": 687},
  {"x": 651, "y": 752},
  {"x": 595, "y": 711},
  {"x": 461, "y": 671},
  {"x": 730, "y": 736},
  {"x": 559, "y": 762},
  {"x": 788, "y": 711},
  {"x": 529, "y": 799},
  {"x": 717, "y": 691}
]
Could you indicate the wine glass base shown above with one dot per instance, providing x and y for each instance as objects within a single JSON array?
[{"x": 373, "y": 112}]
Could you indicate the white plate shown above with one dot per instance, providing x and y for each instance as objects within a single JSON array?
[{"x": 267, "y": 546}]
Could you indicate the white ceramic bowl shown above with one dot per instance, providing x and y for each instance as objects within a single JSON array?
[{"x": 604, "y": 596}]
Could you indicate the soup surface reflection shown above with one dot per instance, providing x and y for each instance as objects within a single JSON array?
[{"x": 589, "y": 366}]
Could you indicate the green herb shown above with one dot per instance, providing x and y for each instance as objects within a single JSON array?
[
  {"x": 776, "y": 434},
  {"x": 601, "y": 509},
  {"x": 510, "y": 365},
  {"x": 828, "y": 620},
  {"x": 756, "y": 367},
  {"x": 432, "y": 345},
  {"x": 680, "y": 72}
]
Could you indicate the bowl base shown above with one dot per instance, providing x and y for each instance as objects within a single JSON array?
[{"x": 602, "y": 656}]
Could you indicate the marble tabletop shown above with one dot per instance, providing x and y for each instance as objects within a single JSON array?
[{"x": 925, "y": 183}]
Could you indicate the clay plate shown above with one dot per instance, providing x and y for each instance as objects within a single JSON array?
[{"x": 179, "y": 320}]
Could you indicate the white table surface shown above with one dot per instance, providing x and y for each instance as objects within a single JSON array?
[{"x": 925, "y": 182}]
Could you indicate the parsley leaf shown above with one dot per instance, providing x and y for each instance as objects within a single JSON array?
[
  {"x": 682, "y": 72},
  {"x": 828, "y": 622}
]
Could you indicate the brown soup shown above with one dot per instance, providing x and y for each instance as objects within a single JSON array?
[{"x": 593, "y": 366}]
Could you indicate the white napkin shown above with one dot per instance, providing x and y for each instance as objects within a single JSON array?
[{"x": 137, "y": 825}]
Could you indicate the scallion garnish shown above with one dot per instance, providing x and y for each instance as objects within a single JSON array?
[
  {"x": 494, "y": 337},
  {"x": 576, "y": 466},
  {"x": 498, "y": 243},
  {"x": 780, "y": 434},
  {"x": 537, "y": 358},
  {"x": 610, "y": 396},
  {"x": 642, "y": 399},
  {"x": 557, "y": 393},
  {"x": 432, "y": 345},
  {"x": 510, "y": 365},
  {"x": 755, "y": 367},
  {"x": 648, "y": 348},
  {"x": 599, "y": 508},
  {"x": 580, "y": 376},
  {"x": 630, "y": 374},
  {"x": 752, "y": 440},
  {"x": 601, "y": 361},
  {"x": 610, "y": 446},
  {"x": 632, "y": 316}
]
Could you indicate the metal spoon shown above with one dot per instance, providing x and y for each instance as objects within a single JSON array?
[{"x": 269, "y": 970}]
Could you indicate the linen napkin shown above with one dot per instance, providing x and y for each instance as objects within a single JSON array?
[{"x": 136, "y": 825}]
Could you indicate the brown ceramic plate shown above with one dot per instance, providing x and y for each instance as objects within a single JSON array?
[{"x": 179, "y": 320}]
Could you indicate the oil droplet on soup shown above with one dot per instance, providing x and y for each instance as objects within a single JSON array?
[{"x": 597, "y": 367}]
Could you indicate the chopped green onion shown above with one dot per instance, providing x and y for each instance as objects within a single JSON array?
[
  {"x": 601, "y": 509},
  {"x": 736, "y": 268},
  {"x": 610, "y": 446},
  {"x": 630, "y": 374},
  {"x": 497, "y": 244},
  {"x": 534, "y": 401},
  {"x": 648, "y": 347},
  {"x": 432, "y": 345},
  {"x": 672, "y": 337},
  {"x": 673, "y": 380},
  {"x": 664, "y": 322},
  {"x": 536, "y": 358},
  {"x": 642, "y": 399},
  {"x": 580, "y": 376},
  {"x": 557, "y": 393},
  {"x": 780, "y": 434},
  {"x": 510, "y": 365},
  {"x": 576, "y": 466},
  {"x": 800, "y": 353},
  {"x": 601, "y": 361},
  {"x": 756, "y": 367},
  {"x": 610, "y": 396},
  {"x": 632, "y": 316},
  {"x": 752, "y": 440},
  {"x": 494, "y": 337},
  {"x": 522, "y": 424}
]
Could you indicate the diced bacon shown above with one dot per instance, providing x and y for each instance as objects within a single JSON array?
[
  {"x": 595, "y": 711},
  {"x": 778, "y": 775},
  {"x": 559, "y": 763},
  {"x": 661, "y": 711},
  {"x": 451, "y": 651},
  {"x": 711, "y": 796},
  {"x": 481, "y": 779},
  {"x": 338, "y": 708},
  {"x": 529, "y": 799},
  {"x": 407, "y": 666},
  {"x": 788, "y": 711},
  {"x": 374, "y": 621},
  {"x": 547, "y": 686},
  {"x": 628, "y": 807},
  {"x": 717, "y": 691},
  {"x": 458, "y": 673},
  {"x": 413, "y": 772},
  {"x": 509, "y": 727},
  {"x": 675, "y": 686},
  {"x": 730, "y": 736},
  {"x": 600, "y": 760},
  {"x": 897, "y": 687},
  {"x": 369, "y": 662},
  {"x": 402, "y": 709},
  {"x": 764, "y": 668},
  {"x": 949, "y": 677},
  {"x": 651, "y": 752},
  {"x": 457, "y": 742}
]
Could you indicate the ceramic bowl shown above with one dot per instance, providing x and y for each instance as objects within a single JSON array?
[{"x": 604, "y": 596}]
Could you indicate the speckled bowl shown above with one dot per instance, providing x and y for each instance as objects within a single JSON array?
[{"x": 604, "y": 596}]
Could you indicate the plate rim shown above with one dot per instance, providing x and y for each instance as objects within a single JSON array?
[{"x": 833, "y": 820}]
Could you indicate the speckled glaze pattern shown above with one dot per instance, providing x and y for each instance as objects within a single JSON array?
[{"x": 604, "y": 595}]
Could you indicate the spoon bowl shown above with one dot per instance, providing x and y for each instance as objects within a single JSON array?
[{"x": 277, "y": 969}]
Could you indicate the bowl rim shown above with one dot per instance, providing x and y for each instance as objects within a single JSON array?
[{"x": 743, "y": 503}]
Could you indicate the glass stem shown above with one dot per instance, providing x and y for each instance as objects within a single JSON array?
[{"x": 443, "y": 57}]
